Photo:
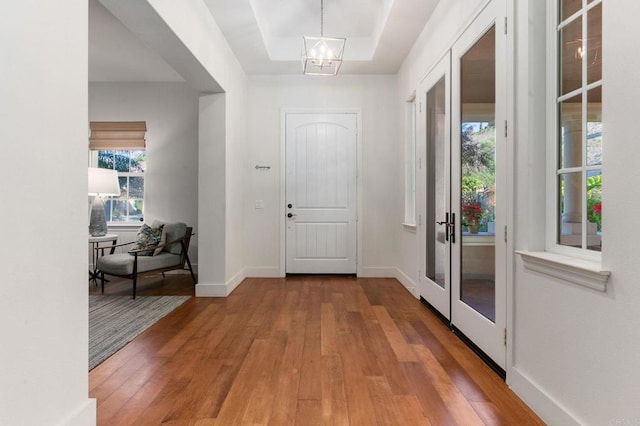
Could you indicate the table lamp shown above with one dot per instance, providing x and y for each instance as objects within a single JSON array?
[{"x": 101, "y": 182}]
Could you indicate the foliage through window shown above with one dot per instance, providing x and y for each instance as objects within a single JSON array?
[
  {"x": 130, "y": 165},
  {"x": 578, "y": 96},
  {"x": 478, "y": 175}
]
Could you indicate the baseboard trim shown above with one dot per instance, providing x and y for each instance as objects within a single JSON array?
[
  {"x": 85, "y": 415},
  {"x": 549, "y": 410},
  {"x": 407, "y": 282},
  {"x": 211, "y": 290},
  {"x": 219, "y": 289},
  {"x": 378, "y": 272},
  {"x": 235, "y": 281},
  {"x": 262, "y": 271}
]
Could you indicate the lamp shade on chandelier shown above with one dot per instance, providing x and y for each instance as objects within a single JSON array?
[{"x": 322, "y": 55}]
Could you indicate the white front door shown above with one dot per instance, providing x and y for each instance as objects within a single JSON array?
[{"x": 321, "y": 172}]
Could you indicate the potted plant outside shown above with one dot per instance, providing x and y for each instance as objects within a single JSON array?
[{"x": 471, "y": 213}]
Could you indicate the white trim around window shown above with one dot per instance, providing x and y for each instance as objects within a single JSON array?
[
  {"x": 575, "y": 265},
  {"x": 410, "y": 164}
]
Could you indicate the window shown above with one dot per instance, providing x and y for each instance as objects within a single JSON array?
[
  {"x": 120, "y": 146},
  {"x": 578, "y": 132},
  {"x": 410, "y": 162},
  {"x": 574, "y": 175},
  {"x": 130, "y": 165}
]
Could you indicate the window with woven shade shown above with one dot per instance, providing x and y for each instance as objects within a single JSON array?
[{"x": 120, "y": 146}]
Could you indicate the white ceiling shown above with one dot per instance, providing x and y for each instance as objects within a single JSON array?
[
  {"x": 266, "y": 36},
  {"x": 115, "y": 54}
]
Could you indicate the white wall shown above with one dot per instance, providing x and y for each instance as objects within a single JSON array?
[
  {"x": 375, "y": 96},
  {"x": 212, "y": 170},
  {"x": 171, "y": 179},
  {"x": 43, "y": 294},
  {"x": 236, "y": 183}
]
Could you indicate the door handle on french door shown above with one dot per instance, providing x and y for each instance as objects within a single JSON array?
[
  {"x": 445, "y": 221},
  {"x": 451, "y": 227},
  {"x": 290, "y": 215}
]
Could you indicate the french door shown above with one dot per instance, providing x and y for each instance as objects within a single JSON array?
[
  {"x": 463, "y": 200},
  {"x": 436, "y": 233}
]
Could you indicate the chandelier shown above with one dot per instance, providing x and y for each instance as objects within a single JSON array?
[{"x": 322, "y": 55}]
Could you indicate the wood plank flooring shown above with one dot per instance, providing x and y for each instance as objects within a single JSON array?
[{"x": 299, "y": 351}]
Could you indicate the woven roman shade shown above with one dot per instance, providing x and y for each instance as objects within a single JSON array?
[{"x": 110, "y": 135}]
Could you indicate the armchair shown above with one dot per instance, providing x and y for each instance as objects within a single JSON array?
[{"x": 170, "y": 256}]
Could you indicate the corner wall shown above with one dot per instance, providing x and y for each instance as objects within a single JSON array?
[
  {"x": 43, "y": 294},
  {"x": 198, "y": 33}
]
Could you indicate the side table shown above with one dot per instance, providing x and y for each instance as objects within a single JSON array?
[{"x": 97, "y": 250}]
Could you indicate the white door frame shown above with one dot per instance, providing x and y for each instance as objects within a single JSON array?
[{"x": 283, "y": 180}]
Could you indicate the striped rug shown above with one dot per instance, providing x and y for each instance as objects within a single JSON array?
[{"x": 115, "y": 320}]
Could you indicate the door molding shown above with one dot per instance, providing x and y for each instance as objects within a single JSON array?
[{"x": 283, "y": 181}]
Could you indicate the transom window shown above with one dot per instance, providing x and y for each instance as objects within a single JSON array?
[{"x": 579, "y": 124}]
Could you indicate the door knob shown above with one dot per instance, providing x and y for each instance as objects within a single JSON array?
[{"x": 290, "y": 215}]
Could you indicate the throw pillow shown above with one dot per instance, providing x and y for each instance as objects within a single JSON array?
[
  {"x": 163, "y": 239},
  {"x": 147, "y": 238}
]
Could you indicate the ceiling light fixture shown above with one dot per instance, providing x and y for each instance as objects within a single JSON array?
[{"x": 322, "y": 55}]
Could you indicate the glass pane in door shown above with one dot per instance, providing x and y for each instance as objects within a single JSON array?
[
  {"x": 478, "y": 171},
  {"x": 436, "y": 199}
]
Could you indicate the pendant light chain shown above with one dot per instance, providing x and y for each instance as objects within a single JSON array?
[
  {"x": 321, "y": 18},
  {"x": 320, "y": 55}
]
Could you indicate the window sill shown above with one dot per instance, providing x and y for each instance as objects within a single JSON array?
[
  {"x": 411, "y": 227},
  {"x": 123, "y": 226},
  {"x": 578, "y": 271},
  {"x": 480, "y": 239}
]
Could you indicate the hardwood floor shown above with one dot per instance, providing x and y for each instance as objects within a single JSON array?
[{"x": 299, "y": 351}]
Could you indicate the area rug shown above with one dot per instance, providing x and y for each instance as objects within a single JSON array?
[{"x": 115, "y": 320}]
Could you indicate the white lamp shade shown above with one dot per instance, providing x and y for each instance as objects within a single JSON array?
[{"x": 103, "y": 182}]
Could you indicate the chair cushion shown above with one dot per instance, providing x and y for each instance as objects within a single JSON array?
[
  {"x": 148, "y": 237},
  {"x": 122, "y": 263},
  {"x": 174, "y": 231}
]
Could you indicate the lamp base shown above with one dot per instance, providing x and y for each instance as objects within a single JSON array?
[{"x": 98, "y": 220}]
